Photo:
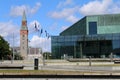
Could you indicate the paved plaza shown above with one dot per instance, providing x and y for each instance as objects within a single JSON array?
[
  {"x": 64, "y": 65},
  {"x": 81, "y": 68}
]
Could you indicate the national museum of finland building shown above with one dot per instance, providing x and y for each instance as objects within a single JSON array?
[{"x": 97, "y": 36}]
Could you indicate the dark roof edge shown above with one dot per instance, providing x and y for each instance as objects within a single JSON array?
[
  {"x": 73, "y": 24},
  {"x": 103, "y": 14}
]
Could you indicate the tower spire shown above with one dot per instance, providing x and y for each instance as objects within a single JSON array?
[
  {"x": 24, "y": 16},
  {"x": 24, "y": 22}
]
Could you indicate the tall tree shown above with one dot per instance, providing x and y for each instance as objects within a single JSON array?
[{"x": 5, "y": 51}]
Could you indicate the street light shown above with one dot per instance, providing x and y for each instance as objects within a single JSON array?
[
  {"x": 29, "y": 50},
  {"x": 13, "y": 50},
  {"x": 43, "y": 59}
]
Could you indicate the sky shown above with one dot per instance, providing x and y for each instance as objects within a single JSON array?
[{"x": 52, "y": 16}]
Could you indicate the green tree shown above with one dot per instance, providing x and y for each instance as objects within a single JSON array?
[
  {"x": 5, "y": 52},
  {"x": 18, "y": 56},
  {"x": 47, "y": 55}
]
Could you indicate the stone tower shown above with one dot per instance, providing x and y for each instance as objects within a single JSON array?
[{"x": 24, "y": 37}]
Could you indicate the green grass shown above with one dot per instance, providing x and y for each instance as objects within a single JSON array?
[
  {"x": 37, "y": 72},
  {"x": 107, "y": 65},
  {"x": 43, "y": 72},
  {"x": 50, "y": 72}
]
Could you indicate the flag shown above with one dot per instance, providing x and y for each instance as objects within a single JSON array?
[
  {"x": 41, "y": 31},
  {"x": 36, "y": 28},
  {"x": 46, "y": 33},
  {"x": 48, "y": 36}
]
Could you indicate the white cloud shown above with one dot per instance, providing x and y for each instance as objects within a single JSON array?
[
  {"x": 7, "y": 30},
  {"x": 41, "y": 42},
  {"x": 93, "y": 7},
  {"x": 72, "y": 19},
  {"x": 35, "y": 8},
  {"x": 114, "y": 8},
  {"x": 18, "y": 10},
  {"x": 100, "y": 7},
  {"x": 66, "y": 13},
  {"x": 65, "y": 3}
]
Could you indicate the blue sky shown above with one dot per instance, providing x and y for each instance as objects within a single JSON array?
[{"x": 52, "y": 15}]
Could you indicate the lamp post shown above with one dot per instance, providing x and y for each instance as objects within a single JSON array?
[
  {"x": 0, "y": 40},
  {"x": 111, "y": 57},
  {"x": 90, "y": 61},
  {"x": 13, "y": 50},
  {"x": 43, "y": 59},
  {"x": 29, "y": 50}
]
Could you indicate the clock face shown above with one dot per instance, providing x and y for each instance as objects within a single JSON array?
[{"x": 24, "y": 32}]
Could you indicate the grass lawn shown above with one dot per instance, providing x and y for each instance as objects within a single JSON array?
[{"x": 40, "y": 72}]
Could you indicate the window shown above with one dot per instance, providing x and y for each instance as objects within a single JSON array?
[
  {"x": 23, "y": 37},
  {"x": 116, "y": 44},
  {"x": 92, "y": 28},
  {"x": 23, "y": 47}
]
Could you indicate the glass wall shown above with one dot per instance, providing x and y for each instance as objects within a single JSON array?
[{"x": 84, "y": 46}]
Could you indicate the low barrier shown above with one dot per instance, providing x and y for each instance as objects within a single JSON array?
[
  {"x": 11, "y": 67},
  {"x": 61, "y": 76}
]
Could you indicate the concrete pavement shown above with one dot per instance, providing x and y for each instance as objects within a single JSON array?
[{"x": 65, "y": 65}]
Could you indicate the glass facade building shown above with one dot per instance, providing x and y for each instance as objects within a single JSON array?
[{"x": 97, "y": 36}]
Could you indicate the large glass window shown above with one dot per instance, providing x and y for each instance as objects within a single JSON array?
[
  {"x": 92, "y": 28},
  {"x": 116, "y": 44}
]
